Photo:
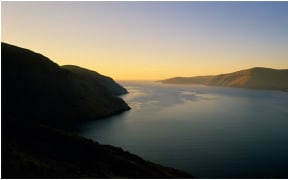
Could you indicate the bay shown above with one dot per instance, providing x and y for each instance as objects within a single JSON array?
[{"x": 210, "y": 132}]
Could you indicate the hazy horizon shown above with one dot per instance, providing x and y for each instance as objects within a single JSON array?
[{"x": 152, "y": 40}]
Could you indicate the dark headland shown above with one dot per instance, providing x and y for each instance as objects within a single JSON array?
[
  {"x": 39, "y": 98},
  {"x": 254, "y": 78}
]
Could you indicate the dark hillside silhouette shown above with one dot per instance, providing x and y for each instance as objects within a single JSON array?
[
  {"x": 39, "y": 99},
  {"x": 46, "y": 152},
  {"x": 36, "y": 87},
  {"x": 91, "y": 77}
]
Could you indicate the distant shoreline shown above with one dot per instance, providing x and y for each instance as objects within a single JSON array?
[{"x": 254, "y": 78}]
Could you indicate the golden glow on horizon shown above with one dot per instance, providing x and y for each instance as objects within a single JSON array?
[
  {"x": 125, "y": 67},
  {"x": 146, "y": 46}
]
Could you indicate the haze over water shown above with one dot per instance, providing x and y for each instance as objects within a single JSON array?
[{"x": 210, "y": 132}]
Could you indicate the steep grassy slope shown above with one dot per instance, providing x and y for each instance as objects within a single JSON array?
[
  {"x": 256, "y": 78},
  {"x": 36, "y": 87}
]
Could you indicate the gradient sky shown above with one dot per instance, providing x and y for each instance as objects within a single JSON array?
[{"x": 152, "y": 40}]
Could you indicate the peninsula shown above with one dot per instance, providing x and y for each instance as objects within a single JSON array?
[{"x": 39, "y": 99}]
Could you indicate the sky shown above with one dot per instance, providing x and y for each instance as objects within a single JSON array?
[{"x": 152, "y": 40}]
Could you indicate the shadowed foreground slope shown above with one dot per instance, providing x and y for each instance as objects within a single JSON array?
[
  {"x": 45, "y": 152},
  {"x": 254, "y": 78},
  {"x": 39, "y": 97}
]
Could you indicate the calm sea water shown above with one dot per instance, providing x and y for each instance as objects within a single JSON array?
[{"x": 210, "y": 132}]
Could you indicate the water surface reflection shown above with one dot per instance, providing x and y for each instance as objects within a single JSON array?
[{"x": 210, "y": 132}]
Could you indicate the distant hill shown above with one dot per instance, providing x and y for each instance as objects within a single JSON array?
[
  {"x": 36, "y": 87},
  {"x": 255, "y": 78}
]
